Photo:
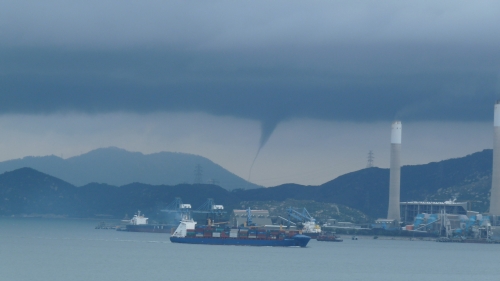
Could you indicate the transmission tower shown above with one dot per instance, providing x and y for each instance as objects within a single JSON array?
[
  {"x": 213, "y": 181},
  {"x": 198, "y": 174},
  {"x": 370, "y": 159}
]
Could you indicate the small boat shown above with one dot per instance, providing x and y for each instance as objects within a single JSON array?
[{"x": 329, "y": 237}]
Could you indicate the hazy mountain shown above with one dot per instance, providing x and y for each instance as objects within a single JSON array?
[{"x": 118, "y": 167}]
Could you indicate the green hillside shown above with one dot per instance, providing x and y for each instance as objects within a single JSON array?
[
  {"x": 359, "y": 196},
  {"x": 320, "y": 211}
]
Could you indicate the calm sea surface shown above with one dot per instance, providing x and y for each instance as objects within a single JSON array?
[{"x": 57, "y": 249}]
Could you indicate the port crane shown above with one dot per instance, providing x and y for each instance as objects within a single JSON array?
[
  {"x": 301, "y": 217},
  {"x": 288, "y": 221},
  {"x": 305, "y": 219},
  {"x": 249, "y": 217},
  {"x": 212, "y": 210},
  {"x": 179, "y": 209}
]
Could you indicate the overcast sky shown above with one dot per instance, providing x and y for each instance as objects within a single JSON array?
[{"x": 314, "y": 84}]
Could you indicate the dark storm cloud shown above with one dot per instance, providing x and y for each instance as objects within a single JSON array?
[
  {"x": 245, "y": 84},
  {"x": 348, "y": 60}
]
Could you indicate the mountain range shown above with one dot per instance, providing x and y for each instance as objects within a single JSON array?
[
  {"x": 118, "y": 167},
  {"x": 25, "y": 190}
]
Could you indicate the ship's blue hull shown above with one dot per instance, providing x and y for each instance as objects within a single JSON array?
[{"x": 297, "y": 240}]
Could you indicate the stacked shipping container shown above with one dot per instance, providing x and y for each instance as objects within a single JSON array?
[{"x": 248, "y": 233}]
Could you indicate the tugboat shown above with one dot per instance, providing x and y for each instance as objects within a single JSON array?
[
  {"x": 188, "y": 233},
  {"x": 329, "y": 237}
]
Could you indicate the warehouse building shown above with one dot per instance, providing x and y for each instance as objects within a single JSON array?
[{"x": 410, "y": 210}]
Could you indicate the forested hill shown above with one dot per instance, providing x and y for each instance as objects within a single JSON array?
[{"x": 466, "y": 178}]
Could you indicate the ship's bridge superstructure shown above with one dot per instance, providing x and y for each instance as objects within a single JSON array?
[{"x": 138, "y": 219}]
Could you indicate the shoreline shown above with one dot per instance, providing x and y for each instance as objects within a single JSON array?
[
  {"x": 59, "y": 217},
  {"x": 371, "y": 237}
]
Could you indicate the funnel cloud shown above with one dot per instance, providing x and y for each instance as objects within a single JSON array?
[{"x": 266, "y": 130}]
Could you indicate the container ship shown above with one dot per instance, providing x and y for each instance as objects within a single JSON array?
[{"x": 188, "y": 233}]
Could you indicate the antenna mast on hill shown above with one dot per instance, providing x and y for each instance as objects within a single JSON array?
[
  {"x": 370, "y": 159},
  {"x": 198, "y": 174}
]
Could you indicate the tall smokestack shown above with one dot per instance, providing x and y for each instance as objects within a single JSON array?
[
  {"x": 394, "y": 180},
  {"x": 495, "y": 182}
]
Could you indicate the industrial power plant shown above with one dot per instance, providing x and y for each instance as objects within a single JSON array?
[
  {"x": 495, "y": 182},
  {"x": 395, "y": 172},
  {"x": 450, "y": 221}
]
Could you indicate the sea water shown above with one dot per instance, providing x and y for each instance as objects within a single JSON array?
[{"x": 65, "y": 249}]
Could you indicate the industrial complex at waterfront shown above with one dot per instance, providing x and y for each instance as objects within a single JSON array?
[{"x": 446, "y": 221}]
